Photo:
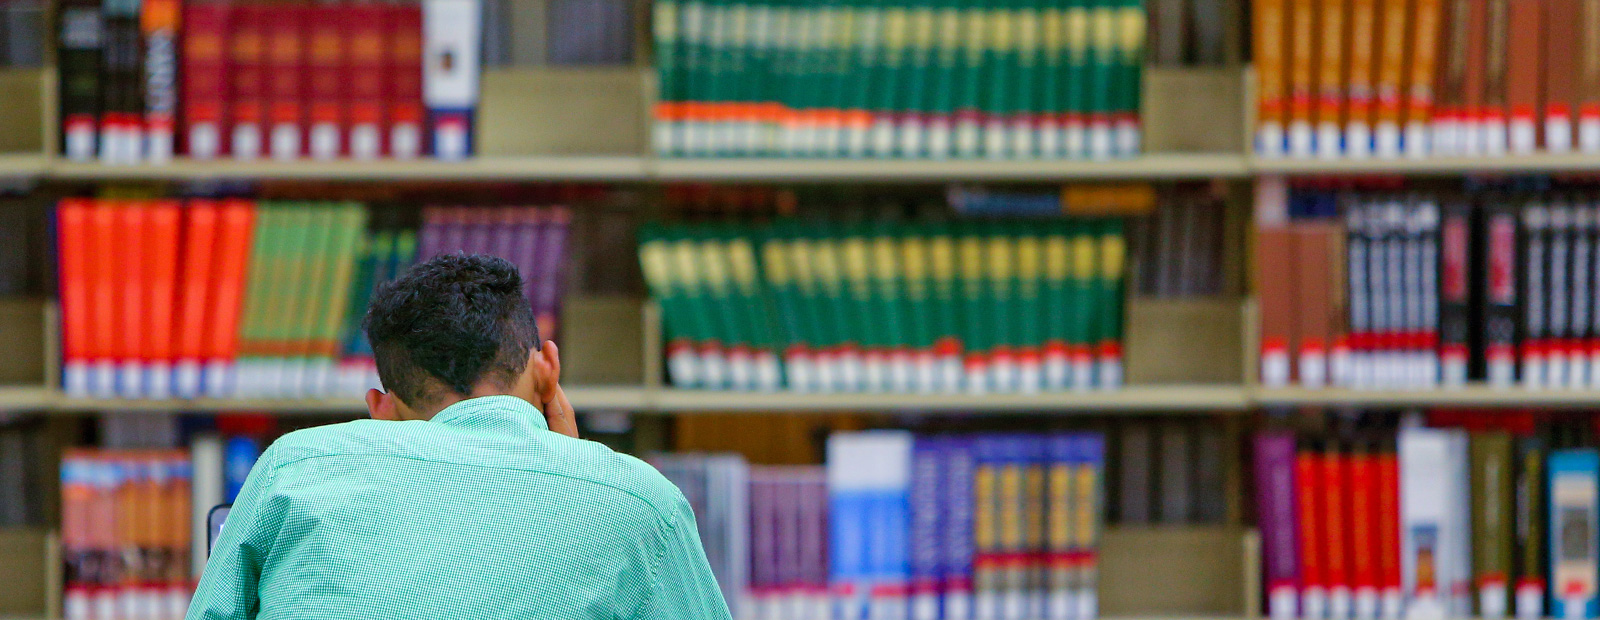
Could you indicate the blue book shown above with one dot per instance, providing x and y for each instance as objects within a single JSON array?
[
  {"x": 869, "y": 475},
  {"x": 927, "y": 459},
  {"x": 1574, "y": 561},
  {"x": 1089, "y": 490},
  {"x": 238, "y": 458},
  {"x": 956, "y": 534}
]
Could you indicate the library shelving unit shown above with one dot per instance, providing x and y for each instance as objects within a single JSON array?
[
  {"x": 1427, "y": 166},
  {"x": 533, "y": 169}
]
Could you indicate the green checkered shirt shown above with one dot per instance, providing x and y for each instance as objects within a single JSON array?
[{"x": 480, "y": 513}]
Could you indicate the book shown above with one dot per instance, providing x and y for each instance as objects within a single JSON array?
[
  {"x": 450, "y": 89},
  {"x": 1572, "y": 481},
  {"x": 1492, "y": 519},
  {"x": 80, "y": 48},
  {"x": 1275, "y": 497},
  {"x": 159, "y": 24}
]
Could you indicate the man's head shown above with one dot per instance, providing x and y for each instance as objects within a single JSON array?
[{"x": 452, "y": 328}]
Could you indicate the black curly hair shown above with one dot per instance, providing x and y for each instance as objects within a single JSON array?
[{"x": 448, "y": 324}]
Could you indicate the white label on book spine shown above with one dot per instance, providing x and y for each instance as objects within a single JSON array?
[
  {"x": 1302, "y": 139},
  {"x": 1393, "y": 604},
  {"x": 913, "y": 137},
  {"x": 1110, "y": 376},
  {"x": 1129, "y": 137},
  {"x": 1530, "y": 602},
  {"x": 285, "y": 141},
  {"x": 366, "y": 142},
  {"x": 246, "y": 141},
  {"x": 205, "y": 141},
  {"x": 1275, "y": 368},
  {"x": 1416, "y": 140},
  {"x": 967, "y": 138},
  {"x": 1329, "y": 136},
  {"x": 1358, "y": 140},
  {"x": 1386, "y": 143},
  {"x": 1493, "y": 137},
  {"x": 1313, "y": 369},
  {"x": 683, "y": 367},
  {"x": 1558, "y": 134},
  {"x": 1101, "y": 141},
  {"x": 1589, "y": 135},
  {"x": 1594, "y": 370},
  {"x": 1283, "y": 603},
  {"x": 1492, "y": 601},
  {"x": 405, "y": 141},
  {"x": 1367, "y": 606},
  {"x": 1524, "y": 136},
  {"x": 1269, "y": 140},
  {"x": 1446, "y": 137},
  {"x": 1340, "y": 603},
  {"x": 324, "y": 141}
]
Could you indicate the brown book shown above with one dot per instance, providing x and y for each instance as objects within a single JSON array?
[
  {"x": 1313, "y": 272},
  {"x": 1587, "y": 95},
  {"x": 1331, "y": 78},
  {"x": 1450, "y": 93},
  {"x": 1492, "y": 114},
  {"x": 1469, "y": 136},
  {"x": 1393, "y": 40},
  {"x": 1419, "y": 85},
  {"x": 1358, "y": 114},
  {"x": 1561, "y": 18},
  {"x": 1524, "y": 78},
  {"x": 1302, "y": 75},
  {"x": 1275, "y": 292},
  {"x": 1270, "y": 22},
  {"x": 1339, "y": 369}
]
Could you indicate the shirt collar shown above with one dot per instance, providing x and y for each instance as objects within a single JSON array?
[{"x": 491, "y": 412}]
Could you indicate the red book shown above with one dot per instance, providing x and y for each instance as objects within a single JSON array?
[
  {"x": 403, "y": 70},
  {"x": 130, "y": 300},
  {"x": 1360, "y": 517},
  {"x": 235, "y": 225},
  {"x": 1313, "y": 564},
  {"x": 326, "y": 56},
  {"x": 365, "y": 90},
  {"x": 205, "y": 78},
  {"x": 161, "y": 275},
  {"x": 102, "y": 275},
  {"x": 285, "y": 74},
  {"x": 194, "y": 284},
  {"x": 1336, "y": 540},
  {"x": 247, "y": 106},
  {"x": 1388, "y": 530},
  {"x": 72, "y": 231}
]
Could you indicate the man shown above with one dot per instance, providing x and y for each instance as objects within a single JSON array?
[{"x": 467, "y": 496}]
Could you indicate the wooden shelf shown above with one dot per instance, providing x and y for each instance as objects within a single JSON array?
[
  {"x": 22, "y": 165},
  {"x": 1473, "y": 396},
  {"x": 1154, "y": 166},
  {"x": 1439, "y": 166},
  {"x": 620, "y": 168},
  {"x": 1132, "y": 399}
]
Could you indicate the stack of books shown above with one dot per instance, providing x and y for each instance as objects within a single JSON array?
[
  {"x": 142, "y": 81},
  {"x": 1416, "y": 290},
  {"x": 966, "y": 306},
  {"x": 1386, "y": 78},
  {"x": 125, "y": 534},
  {"x": 1476, "y": 515},
  {"x": 22, "y": 28},
  {"x": 899, "y": 79},
  {"x": 235, "y": 298}
]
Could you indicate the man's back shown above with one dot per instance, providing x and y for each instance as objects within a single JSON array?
[{"x": 480, "y": 513}]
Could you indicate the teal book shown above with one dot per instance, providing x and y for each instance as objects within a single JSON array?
[
  {"x": 972, "y": 81},
  {"x": 1000, "y": 249},
  {"x": 860, "y": 87},
  {"x": 945, "y": 84},
  {"x": 978, "y": 320},
  {"x": 912, "y": 127},
  {"x": 1131, "y": 43},
  {"x": 1051, "y": 96},
  {"x": 1082, "y": 315},
  {"x": 657, "y": 263},
  {"x": 665, "y": 32},
  {"x": 1109, "y": 278},
  {"x": 1029, "y": 306},
  {"x": 693, "y": 133},
  {"x": 917, "y": 304},
  {"x": 1057, "y": 273},
  {"x": 1075, "y": 79},
  {"x": 1029, "y": 25},
  {"x": 1104, "y": 60},
  {"x": 861, "y": 307},
  {"x": 889, "y": 297},
  {"x": 1000, "y": 71},
  {"x": 948, "y": 323}
]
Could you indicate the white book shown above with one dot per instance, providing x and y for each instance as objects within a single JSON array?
[{"x": 1432, "y": 519}]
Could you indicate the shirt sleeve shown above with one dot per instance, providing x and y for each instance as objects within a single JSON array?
[
  {"x": 227, "y": 589},
  {"x": 683, "y": 586}
]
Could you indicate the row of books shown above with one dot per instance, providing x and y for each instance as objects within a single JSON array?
[
  {"x": 125, "y": 534},
  {"x": 974, "y": 306},
  {"x": 1478, "y": 516},
  {"x": 1363, "y": 78},
  {"x": 1179, "y": 248},
  {"x": 898, "y": 79},
  {"x": 558, "y": 33},
  {"x": 22, "y": 492},
  {"x": 22, "y": 33},
  {"x": 142, "y": 80},
  {"x": 234, "y": 298},
  {"x": 1168, "y": 472},
  {"x": 1422, "y": 290}
]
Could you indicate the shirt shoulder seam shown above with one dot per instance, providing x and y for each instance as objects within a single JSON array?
[{"x": 660, "y": 514}]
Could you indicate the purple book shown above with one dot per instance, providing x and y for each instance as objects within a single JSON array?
[
  {"x": 763, "y": 534},
  {"x": 477, "y": 223},
  {"x": 956, "y": 541},
  {"x": 786, "y": 499},
  {"x": 1275, "y": 497},
  {"x": 529, "y": 221},
  {"x": 551, "y": 270},
  {"x": 503, "y": 237},
  {"x": 453, "y": 233},
  {"x": 431, "y": 235},
  {"x": 927, "y": 503},
  {"x": 813, "y": 532}
]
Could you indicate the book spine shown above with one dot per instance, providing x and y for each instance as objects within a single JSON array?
[
  {"x": 1502, "y": 293},
  {"x": 327, "y": 59},
  {"x": 1492, "y": 514},
  {"x": 101, "y": 284},
  {"x": 1492, "y": 117},
  {"x": 1574, "y": 477},
  {"x": 286, "y": 72},
  {"x": 365, "y": 87},
  {"x": 121, "y": 103},
  {"x": 1357, "y": 278},
  {"x": 159, "y": 21},
  {"x": 246, "y": 98},
  {"x": 1362, "y": 473},
  {"x": 161, "y": 270},
  {"x": 1388, "y": 93},
  {"x": 957, "y": 533},
  {"x": 1332, "y": 79},
  {"x": 1587, "y": 76},
  {"x": 205, "y": 79},
  {"x": 1277, "y": 502},
  {"x": 1337, "y": 542},
  {"x": 1529, "y": 523},
  {"x": 1560, "y": 249},
  {"x": 450, "y": 92},
  {"x": 1313, "y": 536},
  {"x": 988, "y": 553},
  {"x": 74, "y": 241},
  {"x": 1274, "y": 277},
  {"x": 1455, "y": 322},
  {"x": 1524, "y": 78},
  {"x": 1419, "y": 94},
  {"x": 236, "y": 228},
  {"x": 926, "y": 458},
  {"x": 403, "y": 71},
  {"x": 132, "y": 287},
  {"x": 1450, "y": 93},
  {"x": 81, "y": 46},
  {"x": 1583, "y": 303},
  {"x": 1561, "y": 60},
  {"x": 1536, "y": 236},
  {"x": 1360, "y": 92}
]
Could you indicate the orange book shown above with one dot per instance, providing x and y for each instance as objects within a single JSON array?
[
  {"x": 161, "y": 273},
  {"x": 77, "y": 496},
  {"x": 102, "y": 278},
  {"x": 1332, "y": 79},
  {"x": 1393, "y": 42},
  {"x": 194, "y": 285},
  {"x": 1524, "y": 76},
  {"x": 1449, "y": 95},
  {"x": 125, "y": 515},
  {"x": 1388, "y": 529},
  {"x": 1358, "y": 113},
  {"x": 72, "y": 233},
  {"x": 1313, "y": 270},
  {"x": 1309, "y": 495},
  {"x": 129, "y": 249},
  {"x": 1302, "y": 76},
  {"x": 1269, "y": 25},
  {"x": 1361, "y": 472},
  {"x": 1336, "y": 535},
  {"x": 1562, "y": 23},
  {"x": 176, "y": 515},
  {"x": 235, "y": 224},
  {"x": 1418, "y": 113}
]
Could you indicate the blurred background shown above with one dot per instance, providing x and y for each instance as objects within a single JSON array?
[{"x": 1111, "y": 308}]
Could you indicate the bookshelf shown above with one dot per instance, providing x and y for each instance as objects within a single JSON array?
[
  {"x": 531, "y": 168},
  {"x": 1149, "y": 166},
  {"x": 24, "y": 165},
  {"x": 1429, "y": 166}
]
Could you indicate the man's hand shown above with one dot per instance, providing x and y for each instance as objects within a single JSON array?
[{"x": 558, "y": 414}]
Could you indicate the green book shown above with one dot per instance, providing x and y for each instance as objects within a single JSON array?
[
  {"x": 948, "y": 322},
  {"x": 405, "y": 253},
  {"x": 1049, "y": 102},
  {"x": 919, "y": 95},
  {"x": 1529, "y": 522},
  {"x": 889, "y": 296},
  {"x": 347, "y": 260},
  {"x": 889, "y": 78},
  {"x": 758, "y": 76},
  {"x": 689, "y": 278},
  {"x": 861, "y": 300},
  {"x": 1029, "y": 307},
  {"x": 971, "y": 81},
  {"x": 1113, "y": 257},
  {"x": 666, "y": 130},
  {"x": 945, "y": 83},
  {"x": 820, "y": 327},
  {"x": 1000, "y": 250},
  {"x": 1104, "y": 61},
  {"x": 1000, "y": 68},
  {"x": 657, "y": 263},
  {"x": 801, "y": 39},
  {"x": 713, "y": 130},
  {"x": 1029, "y": 23},
  {"x": 841, "y": 365},
  {"x": 1494, "y": 508},
  {"x": 693, "y": 35},
  {"x": 976, "y": 311},
  {"x": 752, "y": 296},
  {"x": 917, "y": 305},
  {"x": 1058, "y": 274},
  {"x": 371, "y": 251},
  {"x": 257, "y": 299},
  {"x": 725, "y": 312},
  {"x": 306, "y": 264},
  {"x": 1130, "y": 64},
  {"x": 859, "y": 86},
  {"x": 1082, "y": 310},
  {"x": 1075, "y": 79}
]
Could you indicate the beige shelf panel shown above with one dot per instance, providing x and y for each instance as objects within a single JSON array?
[{"x": 27, "y": 165}]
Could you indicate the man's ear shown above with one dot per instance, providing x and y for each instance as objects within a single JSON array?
[{"x": 381, "y": 405}]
